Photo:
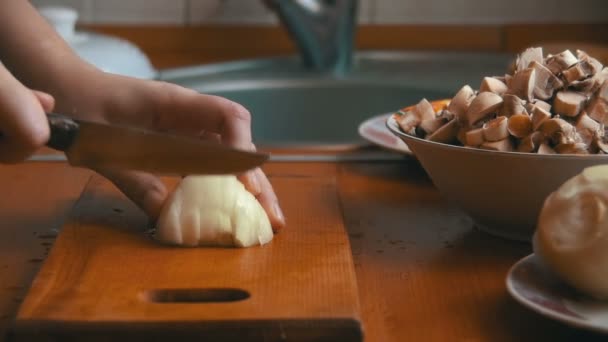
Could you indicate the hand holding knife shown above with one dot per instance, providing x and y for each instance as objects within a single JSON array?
[{"x": 92, "y": 144}]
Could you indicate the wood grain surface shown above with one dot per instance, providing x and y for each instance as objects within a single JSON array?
[
  {"x": 424, "y": 273},
  {"x": 107, "y": 277}
]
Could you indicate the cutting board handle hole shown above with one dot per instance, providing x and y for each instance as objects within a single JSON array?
[{"x": 205, "y": 295}]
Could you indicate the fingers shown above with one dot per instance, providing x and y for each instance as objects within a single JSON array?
[
  {"x": 46, "y": 101},
  {"x": 145, "y": 190},
  {"x": 23, "y": 124},
  {"x": 187, "y": 112},
  {"x": 269, "y": 201}
]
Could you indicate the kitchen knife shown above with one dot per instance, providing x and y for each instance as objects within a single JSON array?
[{"x": 97, "y": 145}]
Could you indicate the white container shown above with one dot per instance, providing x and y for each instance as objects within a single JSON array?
[{"x": 110, "y": 54}]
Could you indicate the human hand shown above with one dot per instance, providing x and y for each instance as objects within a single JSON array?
[
  {"x": 173, "y": 109},
  {"x": 23, "y": 124}
]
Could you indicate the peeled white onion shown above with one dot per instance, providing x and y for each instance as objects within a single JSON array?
[{"x": 213, "y": 211}]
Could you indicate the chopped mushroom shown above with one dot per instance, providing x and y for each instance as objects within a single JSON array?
[
  {"x": 599, "y": 145},
  {"x": 496, "y": 129},
  {"x": 538, "y": 103},
  {"x": 520, "y": 125},
  {"x": 578, "y": 71},
  {"x": 571, "y": 148},
  {"x": 555, "y": 105},
  {"x": 445, "y": 134},
  {"x": 596, "y": 66},
  {"x": 560, "y": 62},
  {"x": 598, "y": 107},
  {"x": 431, "y": 125},
  {"x": 556, "y": 129},
  {"x": 484, "y": 104},
  {"x": 408, "y": 121},
  {"x": 569, "y": 103},
  {"x": 539, "y": 115},
  {"x": 512, "y": 105},
  {"x": 461, "y": 101},
  {"x": 424, "y": 110},
  {"x": 587, "y": 128},
  {"x": 504, "y": 145},
  {"x": 531, "y": 143},
  {"x": 493, "y": 85},
  {"x": 546, "y": 83},
  {"x": 544, "y": 148},
  {"x": 534, "y": 54},
  {"x": 474, "y": 137},
  {"x": 523, "y": 83}
]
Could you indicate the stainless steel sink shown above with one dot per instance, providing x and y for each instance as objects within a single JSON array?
[{"x": 291, "y": 105}]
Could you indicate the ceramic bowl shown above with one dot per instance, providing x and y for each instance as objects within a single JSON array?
[{"x": 502, "y": 192}]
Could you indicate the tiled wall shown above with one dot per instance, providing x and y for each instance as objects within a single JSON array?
[{"x": 193, "y": 12}]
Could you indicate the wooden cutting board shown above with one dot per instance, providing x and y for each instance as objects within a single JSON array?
[{"x": 106, "y": 278}]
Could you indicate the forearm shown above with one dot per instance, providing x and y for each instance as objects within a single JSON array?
[{"x": 41, "y": 59}]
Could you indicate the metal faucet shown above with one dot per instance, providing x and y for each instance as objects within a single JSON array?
[{"x": 322, "y": 29}]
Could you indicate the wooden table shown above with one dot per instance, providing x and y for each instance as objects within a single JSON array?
[{"x": 424, "y": 272}]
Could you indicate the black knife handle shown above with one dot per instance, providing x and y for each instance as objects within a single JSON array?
[{"x": 63, "y": 131}]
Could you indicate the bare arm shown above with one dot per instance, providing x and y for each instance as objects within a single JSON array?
[{"x": 37, "y": 56}]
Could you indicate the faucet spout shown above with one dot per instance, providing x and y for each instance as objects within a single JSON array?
[{"x": 322, "y": 29}]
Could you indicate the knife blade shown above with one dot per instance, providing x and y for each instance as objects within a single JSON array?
[{"x": 93, "y": 145}]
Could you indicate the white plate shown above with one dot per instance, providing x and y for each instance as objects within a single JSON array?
[
  {"x": 533, "y": 285},
  {"x": 375, "y": 131}
]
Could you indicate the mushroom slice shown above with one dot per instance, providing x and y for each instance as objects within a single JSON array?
[
  {"x": 587, "y": 86},
  {"x": 599, "y": 145},
  {"x": 461, "y": 101},
  {"x": 596, "y": 66},
  {"x": 523, "y": 83},
  {"x": 587, "y": 128},
  {"x": 584, "y": 122},
  {"x": 560, "y": 62},
  {"x": 483, "y": 104},
  {"x": 539, "y": 115},
  {"x": 512, "y": 105},
  {"x": 424, "y": 110},
  {"x": 568, "y": 103},
  {"x": 432, "y": 125},
  {"x": 445, "y": 134},
  {"x": 537, "y": 103},
  {"x": 558, "y": 130},
  {"x": 598, "y": 106},
  {"x": 598, "y": 110},
  {"x": 408, "y": 121},
  {"x": 496, "y": 129},
  {"x": 461, "y": 136},
  {"x": 544, "y": 148},
  {"x": 508, "y": 79},
  {"x": 533, "y": 54},
  {"x": 546, "y": 83},
  {"x": 474, "y": 137},
  {"x": 602, "y": 92},
  {"x": 520, "y": 125},
  {"x": 504, "y": 145},
  {"x": 578, "y": 71},
  {"x": 531, "y": 142},
  {"x": 493, "y": 85},
  {"x": 571, "y": 148}
]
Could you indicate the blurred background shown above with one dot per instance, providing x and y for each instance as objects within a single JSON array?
[{"x": 185, "y": 32}]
